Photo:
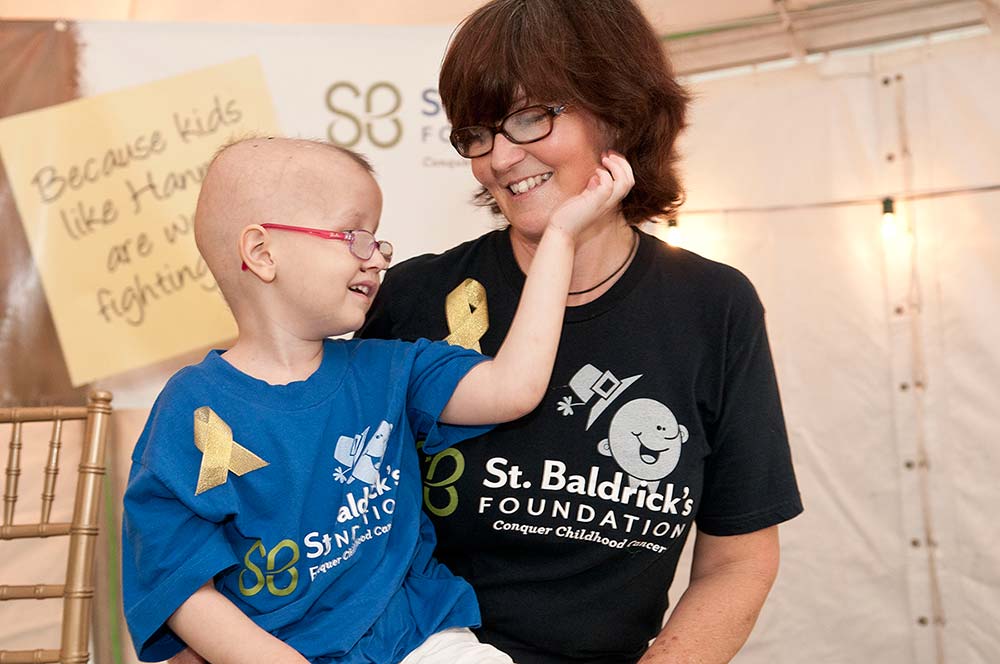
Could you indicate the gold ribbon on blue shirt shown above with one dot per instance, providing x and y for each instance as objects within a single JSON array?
[
  {"x": 220, "y": 453},
  {"x": 467, "y": 314}
]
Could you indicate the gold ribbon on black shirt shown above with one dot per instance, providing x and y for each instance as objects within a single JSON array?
[{"x": 467, "y": 314}]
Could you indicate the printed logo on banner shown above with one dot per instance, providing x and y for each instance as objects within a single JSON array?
[
  {"x": 375, "y": 114},
  {"x": 371, "y": 113}
]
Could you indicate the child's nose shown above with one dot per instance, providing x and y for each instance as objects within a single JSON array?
[{"x": 377, "y": 261}]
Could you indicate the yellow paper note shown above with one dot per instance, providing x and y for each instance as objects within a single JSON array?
[{"x": 106, "y": 189}]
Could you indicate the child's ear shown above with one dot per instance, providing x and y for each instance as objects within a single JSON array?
[{"x": 255, "y": 250}]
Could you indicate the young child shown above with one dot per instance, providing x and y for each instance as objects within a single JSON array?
[{"x": 273, "y": 507}]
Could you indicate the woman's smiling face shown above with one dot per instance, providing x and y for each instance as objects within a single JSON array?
[{"x": 529, "y": 181}]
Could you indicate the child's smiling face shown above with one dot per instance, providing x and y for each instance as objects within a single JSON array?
[
  {"x": 285, "y": 210},
  {"x": 329, "y": 287}
]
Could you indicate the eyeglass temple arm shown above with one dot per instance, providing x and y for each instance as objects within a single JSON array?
[{"x": 318, "y": 232}]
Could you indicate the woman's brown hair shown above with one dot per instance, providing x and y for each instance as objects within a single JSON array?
[{"x": 599, "y": 55}]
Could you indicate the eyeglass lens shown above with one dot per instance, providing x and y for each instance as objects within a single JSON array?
[
  {"x": 525, "y": 126},
  {"x": 363, "y": 245}
]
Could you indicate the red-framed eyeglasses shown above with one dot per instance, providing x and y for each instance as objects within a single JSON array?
[{"x": 361, "y": 243}]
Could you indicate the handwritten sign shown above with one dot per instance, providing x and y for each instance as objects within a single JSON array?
[{"x": 106, "y": 189}]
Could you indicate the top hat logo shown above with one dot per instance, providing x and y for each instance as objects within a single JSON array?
[
  {"x": 362, "y": 455},
  {"x": 590, "y": 381}
]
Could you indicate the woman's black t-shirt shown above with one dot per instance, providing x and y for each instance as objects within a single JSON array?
[{"x": 662, "y": 413}]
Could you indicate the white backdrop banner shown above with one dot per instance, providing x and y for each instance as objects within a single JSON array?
[{"x": 370, "y": 88}]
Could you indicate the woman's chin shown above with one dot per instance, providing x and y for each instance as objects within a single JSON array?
[
  {"x": 526, "y": 219},
  {"x": 529, "y": 227}
]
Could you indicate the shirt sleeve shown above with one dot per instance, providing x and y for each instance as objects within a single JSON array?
[
  {"x": 749, "y": 480},
  {"x": 437, "y": 369},
  {"x": 170, "y": 547}
]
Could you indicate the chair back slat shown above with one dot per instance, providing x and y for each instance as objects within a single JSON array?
[
  {"x": 37, "y": 591},
  {"x": 26, "y": 530},
  {"x": 12, "y": 475},
  {"x": 29, "y": 657},
  {"x": 51, "y": 471}
]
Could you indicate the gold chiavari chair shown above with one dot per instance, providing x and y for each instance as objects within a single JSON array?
[{"x": 78, "y": 590}]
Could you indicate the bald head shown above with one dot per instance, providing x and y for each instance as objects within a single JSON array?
[{"x": 264, "y": 180}]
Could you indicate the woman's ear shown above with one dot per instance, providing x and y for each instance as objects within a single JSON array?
[
  {"x": 255, "y": 250},
  {"x": 610, "y": 136}
]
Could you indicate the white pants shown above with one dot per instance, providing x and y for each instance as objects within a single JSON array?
[{"x": 456, "y": 646}]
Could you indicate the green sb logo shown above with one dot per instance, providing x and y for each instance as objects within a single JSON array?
[
  {"x": 266, "y": 577},
  {"x": 435, "y": 486},
  {"x": 381, "y": 101}
]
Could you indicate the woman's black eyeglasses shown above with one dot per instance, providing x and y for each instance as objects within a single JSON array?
[{"x": 525, "y": 125}]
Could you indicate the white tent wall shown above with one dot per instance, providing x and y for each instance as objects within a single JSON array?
[
  {"x": 886, "y": 351},
  {"x": 883, "y": 349}
]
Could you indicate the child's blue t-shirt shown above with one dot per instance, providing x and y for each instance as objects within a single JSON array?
[{"x": 302, "y": 501}]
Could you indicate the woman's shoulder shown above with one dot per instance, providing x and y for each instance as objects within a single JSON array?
[
  {"x": 409, "y": 286},
  {"x": 454, "y": 259},
  {"x": 678, "y": 262},
  {"x": 704, "y": 278}
]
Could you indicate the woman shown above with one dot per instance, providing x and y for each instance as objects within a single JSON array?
[{"x": 663, "y": 413}]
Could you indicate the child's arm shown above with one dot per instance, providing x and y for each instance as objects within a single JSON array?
[
  {"x": 218, "y": 631},
  {"x": 187, "y": 656},
  {"x": 514, "y": 382}
]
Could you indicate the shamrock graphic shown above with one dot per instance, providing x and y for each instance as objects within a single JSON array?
[{"x": 565, "y": 406}]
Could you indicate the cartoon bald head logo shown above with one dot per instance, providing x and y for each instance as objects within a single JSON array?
[{"x": 645, "y": 440}]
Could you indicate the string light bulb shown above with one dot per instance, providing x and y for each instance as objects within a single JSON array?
[
  {"x": 890, "y": 228},
  {"x": 673, "y": 233}
]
